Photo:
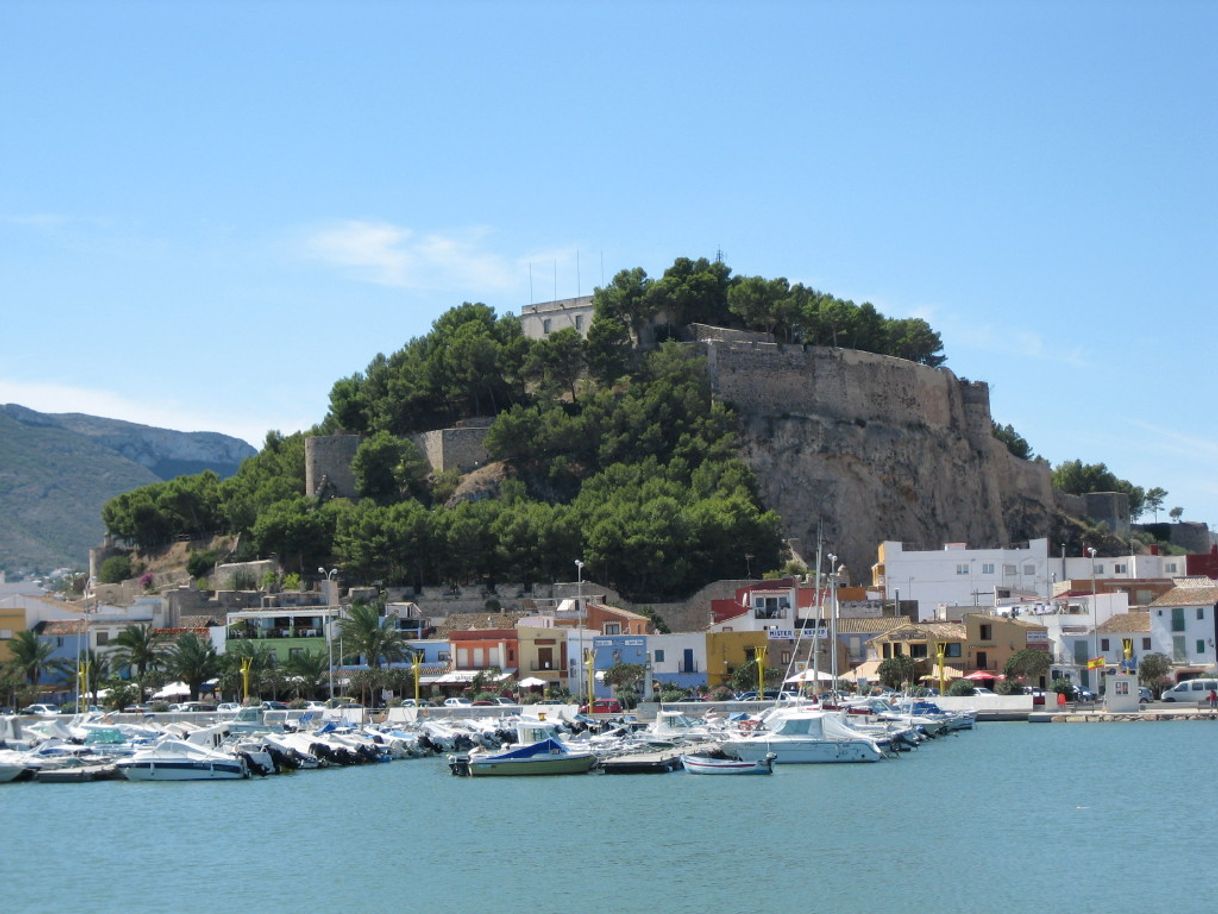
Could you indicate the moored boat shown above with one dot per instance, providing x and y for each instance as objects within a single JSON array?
[
  {"x": 539, "y": 751},
  {"x": 176, "y": 760},
  {"x": 706, "y": 764}
]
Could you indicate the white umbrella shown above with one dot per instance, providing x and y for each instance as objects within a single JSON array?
[
  {"x": 809, "y": 676},
  {"x": 173, "y": 690},
  {"x": 532, "y": 681}
]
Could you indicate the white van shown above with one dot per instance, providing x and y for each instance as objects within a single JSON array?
[{"x": 1193, "y": 691}]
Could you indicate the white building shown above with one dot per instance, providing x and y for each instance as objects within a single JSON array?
[
  {"x": 540, "y": 320},
  {"x": 958, "y": 575},
  {"x": 1183, "y": 625},
  {"x": 678, "y": 658}
]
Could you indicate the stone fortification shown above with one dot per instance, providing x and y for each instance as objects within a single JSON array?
[
  {"x": 328, "y": 458},
  {"x": 876, "y": 448},
  {"x": 462, "y": 448}
]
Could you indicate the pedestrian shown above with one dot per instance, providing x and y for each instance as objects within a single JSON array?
[{"x": 1213, "y": 699}]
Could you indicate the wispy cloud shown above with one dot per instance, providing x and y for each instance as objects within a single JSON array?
[
  {"x": 1007, "y": 340},
  {"x": 393, "y": 255},
  {"x": 1169, "y": 441},
  {"x": 61, "y": 398}
]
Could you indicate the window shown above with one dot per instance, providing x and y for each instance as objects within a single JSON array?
[
  {"x": 1029, "y": 569},
  {"x": 104, "y": 637},
  {"x": 786, "y": 657},
  {"x": 750, "y": 654},
  {"x": 1008, "y": 569},
  {"x": 659, "y": 656},
  {"x": 1099, "y": 569},
  {"x": 1200, "y": 645},
  {"x": 987, "y": 567},
  {"x": 1145, "y": 644},
  {"x": 953, "y": 650},
  {"x": 545, "y": 325},
  {"x": 59, "y": 642},
  {"x": 1170, "y": 567},
  {"x": 987, "y": 632},
  {"x": 1103, "y": 644},
  {"x": 1120, "y": 568},
  {"x": 917, "y": 650},
  {"x": 962, "y": 568},
  {"x": 613, "y": 628},
  {"x": 579, "y": 322},
  {"x": 1177, "y": 619},
  {"x": 1200, "y": 614}
]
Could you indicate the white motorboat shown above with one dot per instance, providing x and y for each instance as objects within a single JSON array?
[
  {"x": 800, "y": 736},
  {"x": 709, "y": 764},
  {"x": 177, "y": 760}
]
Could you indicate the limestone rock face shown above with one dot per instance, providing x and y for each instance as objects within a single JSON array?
[{"x": 876, "y": 448}]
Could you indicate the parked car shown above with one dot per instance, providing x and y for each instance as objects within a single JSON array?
[
  {"x": 40, "y": 710},
  {"x": 457, "y": 702},
  {"x": 1192, "y": 691},
  {"x": 768, "y": 695},
  {"x": 274, "y": 706},
  {"x": 1082, "y": 694},
  {"x": 510, "y": 702},
  {"x": 1145, "y": 695},
  {"x": 228, "y": 707},
  {"x": 602, "y": 706},
  {"x": 982, "y": 690}
]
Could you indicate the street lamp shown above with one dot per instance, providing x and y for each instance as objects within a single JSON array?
[
  {"x": 1095, "y": 619},
  {"x": 579, "y": 606},
  {"x": 329, "y": 623}
]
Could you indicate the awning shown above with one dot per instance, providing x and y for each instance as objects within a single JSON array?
[
  {"x": 468, "y": 676},
  {"x": 532, "y": 682},
  {"x": 173, "y": 690},
  {"x": 810, "y": 675}
]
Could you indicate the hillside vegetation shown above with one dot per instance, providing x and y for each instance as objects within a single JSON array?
[{"x": 607, "y": 453}]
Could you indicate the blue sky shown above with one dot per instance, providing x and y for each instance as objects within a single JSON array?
[{"x": 211, "y": 211}]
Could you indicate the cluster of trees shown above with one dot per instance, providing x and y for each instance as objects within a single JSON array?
[
  {"x": 619, "y": 457},
  {"x": 1079, "y": 478},
  {"x": 703, "y": 291}
]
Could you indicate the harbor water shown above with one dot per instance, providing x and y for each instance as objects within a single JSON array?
[{"x": 1011, "y": 817}]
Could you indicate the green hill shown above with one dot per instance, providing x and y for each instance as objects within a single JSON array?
[{"x": 56, "y": 472}]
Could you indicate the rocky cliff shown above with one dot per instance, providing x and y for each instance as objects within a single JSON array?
[{"x": 876, "y": 448}]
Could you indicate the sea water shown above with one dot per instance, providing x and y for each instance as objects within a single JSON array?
[{"x": 1010, "y": 817}]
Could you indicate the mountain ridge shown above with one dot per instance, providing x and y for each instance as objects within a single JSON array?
[{"x": 57, "y": 470}]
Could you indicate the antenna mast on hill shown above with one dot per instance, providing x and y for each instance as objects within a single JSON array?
[
  {"x": 532, "y": 300},
  {"x": 578, "y": 282}
]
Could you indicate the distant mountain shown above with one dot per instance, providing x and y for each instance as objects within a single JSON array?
[{"x": 56, "y": 472}]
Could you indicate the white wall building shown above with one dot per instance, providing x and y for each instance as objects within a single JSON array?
[
  {"x": 540, "y": 320},
  {"x": 679, "y": 657},
  {"x": 962, "y": 576},
  {"x": 1184, "y": 625}
]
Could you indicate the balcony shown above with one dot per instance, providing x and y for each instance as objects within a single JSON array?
[
  {"x": 275, "y": 633},
  {"x": 771, "y": 612}
]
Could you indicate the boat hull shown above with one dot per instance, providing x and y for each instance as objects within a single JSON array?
[
  {"x": 182, "y": 771},
  {"x": 563, "y": 764},
  {"x": 804, "y": 752},
  {"x": 702, "y": 765}
]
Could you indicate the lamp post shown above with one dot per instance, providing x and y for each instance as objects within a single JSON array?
[
  {"x": 329, "y": 624},
  {"x": 833, "y": 619},
  {"x": 579, "y": 606},
  {"x": 1095, "y": 618}
]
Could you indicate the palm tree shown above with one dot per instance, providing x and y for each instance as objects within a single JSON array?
[
  {"x": 141, "y": 647},
  {"x": 193, "y": 660},
  {"x": 373, "y": 637},
  {"x": 307, "y": 669},
  {"x": 31, "y": 657},
  {"x": 99, "y": 671}
]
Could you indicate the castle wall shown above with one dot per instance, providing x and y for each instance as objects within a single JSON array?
[
  {"x": 877, "y": 448},
  {"x": 462, "y": 448},
  {"x": 330, "y": 456}
]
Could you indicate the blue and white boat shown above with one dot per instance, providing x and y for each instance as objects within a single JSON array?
[{"x": 539, "y": 751}]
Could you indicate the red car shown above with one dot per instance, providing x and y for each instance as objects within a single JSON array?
[{"x": 603, "y": 706}]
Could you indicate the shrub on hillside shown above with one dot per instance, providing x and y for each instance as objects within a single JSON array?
[{"x": 115, "y": 569}]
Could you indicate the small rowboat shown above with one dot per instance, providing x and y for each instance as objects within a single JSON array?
[{"x": 705, "y": 764}]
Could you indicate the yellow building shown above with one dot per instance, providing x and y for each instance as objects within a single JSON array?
[
  {"x": 980, "y": 642},
  {"x": 12, "y": 621},
  {"x": 726, "y": 652}
]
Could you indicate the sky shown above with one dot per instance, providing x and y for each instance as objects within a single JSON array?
[{"x": 209, "y": 212}]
